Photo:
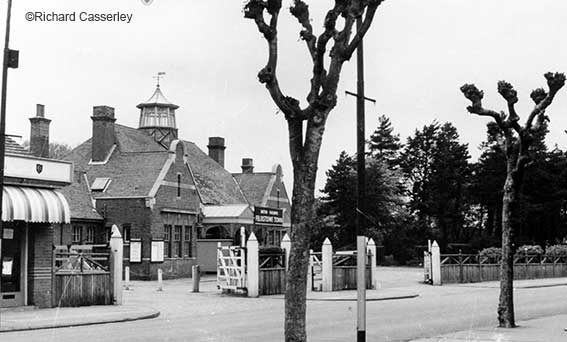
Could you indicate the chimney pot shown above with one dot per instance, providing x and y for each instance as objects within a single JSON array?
[
  {"x": 216, "y": 149},
  {"x": 247, "y": 165},
  {"x": 103, "y": 132},
  {"x": 39, "y": 133}
]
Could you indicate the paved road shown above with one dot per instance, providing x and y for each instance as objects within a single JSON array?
[{"x": 207, "y": 316}]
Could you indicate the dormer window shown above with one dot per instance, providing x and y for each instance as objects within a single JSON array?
[{"x": 100, "y": 184}]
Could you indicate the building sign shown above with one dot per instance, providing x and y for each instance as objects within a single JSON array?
[
  {"x": 269, "y": 216},
  {"x": 135, "y": 251},
  {"x": 22, "y": 166},
  {"x": 157, "y": 251}
]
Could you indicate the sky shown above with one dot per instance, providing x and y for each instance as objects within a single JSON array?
[{"x": 417, "y": 55}]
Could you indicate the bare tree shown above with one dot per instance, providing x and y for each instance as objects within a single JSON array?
[
  {"x": 322, "y": 98},
  {"x": 516, "y": 141}
]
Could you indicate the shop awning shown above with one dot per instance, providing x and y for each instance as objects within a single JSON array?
[{"x": 34, "y": 205}]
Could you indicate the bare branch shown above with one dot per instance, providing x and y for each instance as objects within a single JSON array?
[
  {"x": 475, "y": 95},
  {"x": 300, "y": 11},
  {"x": 511, "y": 96},
  {"x": 370, "y": 11},
  {"x": 555, "y": 81}
]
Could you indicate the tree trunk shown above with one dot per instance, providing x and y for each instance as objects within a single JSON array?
[
  {"x": 296, "y": 284},
  {"x": 509, "y": 212}
]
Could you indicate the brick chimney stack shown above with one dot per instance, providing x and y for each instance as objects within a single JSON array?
[
  {"x": 247, "y": 165},
  {"x": 216, "y": 149},
  {"x": 39, "y": 133},
  {"x": 103, "y": 132}
]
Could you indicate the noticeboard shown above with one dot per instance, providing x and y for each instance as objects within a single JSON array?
[
  {"x": 157, "y": 251},
  {"x": 268, "y": 216},
  {"x": 135, "y": 250}
]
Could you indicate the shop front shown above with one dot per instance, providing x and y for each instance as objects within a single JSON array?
[{"x": 31, "y": 207}]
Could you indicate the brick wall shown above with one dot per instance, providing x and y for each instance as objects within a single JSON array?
[{"x": 40, "y": 265}]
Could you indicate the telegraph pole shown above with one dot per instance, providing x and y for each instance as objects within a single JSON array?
[
  {"x": 10, "y": 61},
  {"x": 360, "y": 168}
]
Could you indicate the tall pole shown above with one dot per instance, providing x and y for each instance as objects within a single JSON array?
[
  {"x": 360, "y": 162},
  {"x": 5, "y": 66}
]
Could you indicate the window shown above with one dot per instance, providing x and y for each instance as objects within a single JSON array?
[
  {"x": 77, "y": 233},
  {"x": 126, "y": 227},
  {"x": 178, "y": 185},
  {"x": 90, "y": 238},
  {"x": 100, "y": 184},
  {"x": 167, "y": 241},
  {"x": 177, "y": 241},
  {"x": 187, "y": 242}
]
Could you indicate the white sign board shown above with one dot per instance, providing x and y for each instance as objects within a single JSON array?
[
  {"x": 8, "y": 234},
  {"x": 135, "y": 251},
  {"x": 157, "y": 251},
  {"x": 30, "y": 167}
]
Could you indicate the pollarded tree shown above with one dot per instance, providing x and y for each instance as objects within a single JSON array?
[
  {"x": 516, "y": 141},
  {"x": 307, "y": 124}
]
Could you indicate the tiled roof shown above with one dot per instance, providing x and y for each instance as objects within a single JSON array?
[
  {"x": 254, "y": 185},
  {"x": 132, "y": 168},
  {"x": 13, "y": 147},
  {"x": 79, "y": 200},
  {"x": 215, "y": 184}
]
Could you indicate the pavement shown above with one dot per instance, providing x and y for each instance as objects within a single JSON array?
[{"x": 143, "y": 300}]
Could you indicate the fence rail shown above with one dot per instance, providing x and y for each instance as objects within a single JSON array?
[{"x": 468, "y": 268}]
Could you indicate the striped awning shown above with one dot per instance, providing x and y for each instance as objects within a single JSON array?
[{"x": 34, "y": 205}]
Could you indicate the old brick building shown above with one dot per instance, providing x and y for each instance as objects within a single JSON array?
[
  {"x": 171, "y": 200},
  {"x": 32, "y": 208}
]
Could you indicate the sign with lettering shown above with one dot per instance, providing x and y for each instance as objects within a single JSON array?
[{"x": 269, "y": 216}]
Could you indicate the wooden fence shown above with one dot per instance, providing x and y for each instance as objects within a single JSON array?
[
  {"x": 272, "y": 272},
  {"x": 469, "y": 268},
  {"x": 81, "y": 276},
  {"x": 344, "y": 271}
]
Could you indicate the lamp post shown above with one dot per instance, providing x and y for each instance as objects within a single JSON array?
[{"x": 10, "y": 61}]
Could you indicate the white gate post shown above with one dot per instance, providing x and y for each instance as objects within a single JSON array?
[
  {"x": 116, "y": 251},
  {"x": 436, "y": 263},
  {"x": 327, "y": 267},
  {"x": 286, "y": 244},
  {"x": 252, "y": 266},
  {"x": 371, "y": 248}
]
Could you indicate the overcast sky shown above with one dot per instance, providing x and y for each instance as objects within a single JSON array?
[{"x": 417, "y": 53}]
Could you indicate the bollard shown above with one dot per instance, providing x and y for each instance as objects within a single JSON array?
[
  {"x": 196, "y": 278},
  {"x": 160, "y": 279},
  {"x": 127, "y": 277}
]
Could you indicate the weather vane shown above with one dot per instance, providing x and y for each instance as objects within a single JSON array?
[{"x": 158, "y": 76}]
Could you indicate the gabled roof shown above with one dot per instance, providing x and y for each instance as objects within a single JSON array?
[
  {"x": 79, "y": 199},
  {"x": 254, "y": 186},
  {"x": 215, "y": 184}
]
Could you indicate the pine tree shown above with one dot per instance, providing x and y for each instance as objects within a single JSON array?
[{"x": 383, "y": 143}]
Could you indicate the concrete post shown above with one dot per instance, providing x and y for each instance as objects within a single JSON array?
[
  {"x": 127, "y": 278},
  {"x": 242, "y": 237},
  {"x": 252, "y": 267},
  {"x": 436, "y": 263},
  {"x": 371, "y": 247},
  {"x": 116, "y": 251},
  {"x": 160, "y": 279},
  {"x": 310, "y": 272},
  {"x": 196, "y": 277},
  {"x": 286, "y": 244},
  {"x": 327, "y": 271}
]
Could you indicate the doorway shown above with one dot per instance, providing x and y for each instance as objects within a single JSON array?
[{"x": 13, "y": 265}]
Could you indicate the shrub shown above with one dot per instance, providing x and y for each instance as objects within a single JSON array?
[
  {"x": 529, "y": 249},
  {"x": 556, "y": 250},
  {"x": 491, "y": 252}
]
